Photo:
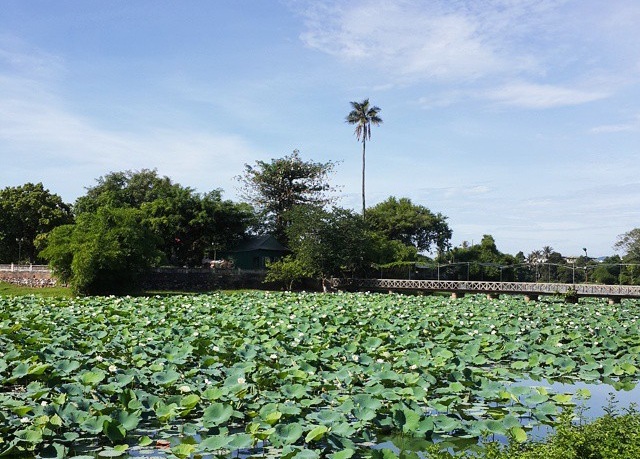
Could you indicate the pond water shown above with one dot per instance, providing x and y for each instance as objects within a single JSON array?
[{"x": 603, "y": 397}]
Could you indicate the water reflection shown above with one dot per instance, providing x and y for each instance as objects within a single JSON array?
[{"x": 621, "y": 396}]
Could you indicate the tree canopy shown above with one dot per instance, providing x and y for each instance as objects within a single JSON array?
[
  {"x": 330, "y": 242},
  {"x": 127, "y": 189},
  {"x": 483, "y": 262},
  {"x": 186, "y": 224},
  {"x": 411, "y": 224},
  {"x": 27, "y": 212},
  {"x": 629, "y": 244},
  {"x": 104, "y": 252},
  {"x": 276, "y": 187}
]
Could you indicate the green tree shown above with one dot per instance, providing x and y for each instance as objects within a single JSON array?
[
  {"x": 629, "y": 245},
  {"x": 127, "y": 189},
  {"x": 363, "y": 115},
  {"x": 288, "y": 271},
  {"x": 188, "y": 225},
  {"x": 608, "y": 272},
  {"x": 411, "y": 224},
  {"x": 479, "y": 262},
  {"x": 548, "y": 265},
  {"x": 104, "y": 252},
  {"x": 276, "y": 187},
  {"x": 28, "y": 212},
  {"x": 330, "y": 243}
]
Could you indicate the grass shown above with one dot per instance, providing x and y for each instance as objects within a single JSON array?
[{"x": 19, "y": 290}]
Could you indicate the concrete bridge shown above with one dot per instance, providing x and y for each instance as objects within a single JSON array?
[{"x": 531, "y": 290}]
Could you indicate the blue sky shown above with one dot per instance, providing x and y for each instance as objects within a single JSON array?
[{"x": 515, "y": 118}]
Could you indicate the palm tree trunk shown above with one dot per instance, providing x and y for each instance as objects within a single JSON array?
[{"x": 363, "y": 163}]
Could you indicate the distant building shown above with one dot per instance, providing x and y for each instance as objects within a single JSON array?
[{"x": 257, "y": 251}]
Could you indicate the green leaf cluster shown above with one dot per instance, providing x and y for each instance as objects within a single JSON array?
[
  {"x": 103, "y": 252},
  {"x": 27, "y": 213},
  {"x": 278, "y": 186},
  {"x": 413, "y": 225},
  {"x": 187, "y": 225}
]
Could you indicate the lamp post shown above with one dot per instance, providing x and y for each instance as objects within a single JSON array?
[
  {"x": 586, "y": 255},
  {"x": 19, "y": 240}
]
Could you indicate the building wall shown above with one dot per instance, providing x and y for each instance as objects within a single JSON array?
[{"x": 255, "y": 259}]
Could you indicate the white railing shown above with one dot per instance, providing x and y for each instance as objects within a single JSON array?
[
  {"x": 629, "y": 291},
  {"x": 15, "y": 267}
]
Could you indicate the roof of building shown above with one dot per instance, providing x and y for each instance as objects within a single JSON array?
[{"x": 264, "y": 242}]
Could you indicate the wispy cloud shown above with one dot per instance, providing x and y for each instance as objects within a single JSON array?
[
  {"x": 540, "y": 96},
  {"x": 406, "y": 39},
  {"x": 631, "y": 126},
  {"x": 18, "y": 57},
  {"x": 39, "y": 132},
  {"x": 528, "y": 54}
]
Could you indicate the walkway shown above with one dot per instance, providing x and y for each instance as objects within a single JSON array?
[{"x": 530, "y": 289}]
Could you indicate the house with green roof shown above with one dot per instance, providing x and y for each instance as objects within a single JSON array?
[{"x": 254, "y": 253}]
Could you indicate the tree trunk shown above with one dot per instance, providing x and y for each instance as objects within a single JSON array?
[{"x": 363, "y": 163}]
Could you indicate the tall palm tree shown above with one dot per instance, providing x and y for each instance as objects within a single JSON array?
[{"x": 363, "y": 116}]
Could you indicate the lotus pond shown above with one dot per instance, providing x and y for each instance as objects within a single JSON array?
[{"x": 295, "y": 375}]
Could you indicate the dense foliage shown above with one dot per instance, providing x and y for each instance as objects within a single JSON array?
[
  {"x": 103, "y": 252},
  {"x": 187, "y": 225},
  {"x": 613, "y": 436},
  {"x": 629, "y": 244},
  {"x": 479, "y": 262},
  {"x": 330, "y": 243},
  {"x": 294, "y": 374},
  {"x": 292, "y": 197},
  {"x": 411, "y": 224},
  {"x": 28, "y": 212},
  {"x": 276, "y": 187}
]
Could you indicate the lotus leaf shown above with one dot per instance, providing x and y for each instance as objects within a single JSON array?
[
  {"x": 316, "y": 433},
  {"x": 344, "y": 454},
  {"x": 216, "y": 414},
  {"x": 165, "y": 378},
  {"x": 286, "y": 434}
]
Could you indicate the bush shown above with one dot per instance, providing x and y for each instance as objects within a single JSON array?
[{"x": 103, "y": 253}]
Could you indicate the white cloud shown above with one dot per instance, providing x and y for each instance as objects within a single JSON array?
[
  {"x": 405, "y": 39},
  {"x": 19, "y": 58},
  {"x": 540, "y": 48},
  {"x": 540, "y": 96},
  {"x": 632, "y": 126}
]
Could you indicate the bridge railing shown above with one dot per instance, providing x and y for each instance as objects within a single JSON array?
[{"x": 489, "y": 287}]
